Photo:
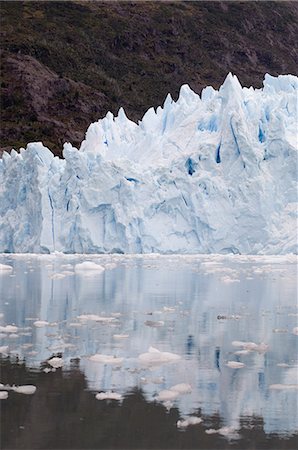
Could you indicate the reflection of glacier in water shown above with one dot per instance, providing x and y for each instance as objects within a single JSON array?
[{"x": 209, "y": 310}]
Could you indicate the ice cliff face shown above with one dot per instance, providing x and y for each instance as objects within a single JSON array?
[{"x": 215, "y": 173}]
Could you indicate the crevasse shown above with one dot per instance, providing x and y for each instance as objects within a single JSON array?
[{"x": 214, "y": 173}]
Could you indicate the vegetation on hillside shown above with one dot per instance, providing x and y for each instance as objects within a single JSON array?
[{"x": 65, "y": 64}]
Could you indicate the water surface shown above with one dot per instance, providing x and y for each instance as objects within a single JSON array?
[{"x": 205, "y": 309}]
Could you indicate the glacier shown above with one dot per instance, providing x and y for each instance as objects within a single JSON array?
[{"x": 209, "y": 173}]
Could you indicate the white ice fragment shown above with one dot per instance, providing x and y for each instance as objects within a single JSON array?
[
  {"x": 167, "y": 395},
  {"x": 4, "y": 349},
  {"x": 13, "y": 336},
  {"x": 182, "y": 388},
  {"x": 283, "y": 386},
  {"x": 88, "y": 268},
  {"x": 9, "y": 329},
  {"x": 108, "y": 396},
  {"x": 156, "y": 357},
  {"x": 158, "y": 380},
  {"x": 106, "y": 359},
  {"x": 57, "y": 276},
  {"x": 28, "y": 389},
  {"x": 3, "y": 395},
  {"x": 169, "y": 309},
  {"x": 56, "y": 362},
  {"x": 96, "y": 318},
  {"x": 224, "y": 431},
  {"x": 40, "y": 323},
  {"x": 5, "y": 268},
  {"x": 120, "y": 336},
  {"x": 192, "y": 420},
  {"x": 295, "y": 331},
  {"x": 252, "y": 346},
  {"x": 235, "y": 364},
  {"x": 242, "y": 352},
  {"x": 154, "y": 324}
]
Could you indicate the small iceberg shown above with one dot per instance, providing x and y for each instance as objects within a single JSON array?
[
  {"x": 9, "y": 329},
  {"x": 40, "y": 323},
  {"x": 192, "y": 420},
  {"x": 108, "y": 396},
  {"x": 156, "y": 357},
  {"x": 28, "y": 389},
  {"x": 235, "y": 364},
  {"x": 5, "y": 269},
  {"x": 88, "y": 268},
  {"x": 167, "y": 395},
  {"x": 56, "y": 362}
]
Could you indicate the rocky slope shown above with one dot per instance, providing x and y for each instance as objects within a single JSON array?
[{"x": 65, "y": 64}]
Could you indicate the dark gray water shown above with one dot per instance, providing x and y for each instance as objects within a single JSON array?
[{"x": 227, "y": 325}]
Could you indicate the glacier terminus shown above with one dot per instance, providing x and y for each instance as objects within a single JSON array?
[{"x": 209, "y": 173}]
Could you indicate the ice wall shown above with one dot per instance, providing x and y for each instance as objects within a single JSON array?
[{"x": 211, "y": 173}]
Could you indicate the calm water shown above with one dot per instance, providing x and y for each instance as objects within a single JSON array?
[{"x": 204, "y": 309}]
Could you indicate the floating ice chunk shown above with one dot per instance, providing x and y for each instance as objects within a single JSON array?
[
  {"x": 283, "y": 365},
  {"x": 28, "y": 389},
  {"x": 4, "y": 349},
  {"x": 228, "y": 279},
  {"x": 242, "y": 352},
  {"x": 235, "y": 364},
  {"x": 224, "y": 431},
  {"x": 167, "y": 395},
  {"x": 57, "y": 276},
  {"x": 110, "y": 266},
  {"x": 156, "y": 357},
  {"x": 169, "y": 309},
  {"x": 295, "y": 331},
  {"x": 56, "y": 362},
  {"x": 47, "y": 370},
  {"x": 88, "y": 268},
  {"x": 261, "y": 348},
  {"x": 40, "y": 323},
  {"x": 106, "y": 359},
  {"x": 9, "y": 329},
  {"x": 158, "y": 380},
  {"x": 3, "y": 395},
  {"x": 96, "y": 318},
  {"x": 5, "y": 268},
  {"x": 168, "y": 405},
  {"x": 192, "y": 420},
  {"x": 182, "y": 388},
  {"x": 154, "y": 324},
  {"x": 120, "y": 336},
  {"x": 283, "y": 386},
  {"x": 108, "y": 396},
  {"x": 13, "y": 336}
]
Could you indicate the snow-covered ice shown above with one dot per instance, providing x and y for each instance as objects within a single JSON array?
[
  {"x": 214, "y": 173},
  {"x": 3, "y": 395},
  {"x": 5, "y": 268},
  {"x": 56, "y": 362},
  {"x": 156, "y": 357},
  {"x": 192, "y": 420},
  {"x": 28, "y": 389},
  {"x": 108, "y": 396}
]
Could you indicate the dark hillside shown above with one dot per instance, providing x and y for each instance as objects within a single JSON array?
[{"x": 65, "y": 64}]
